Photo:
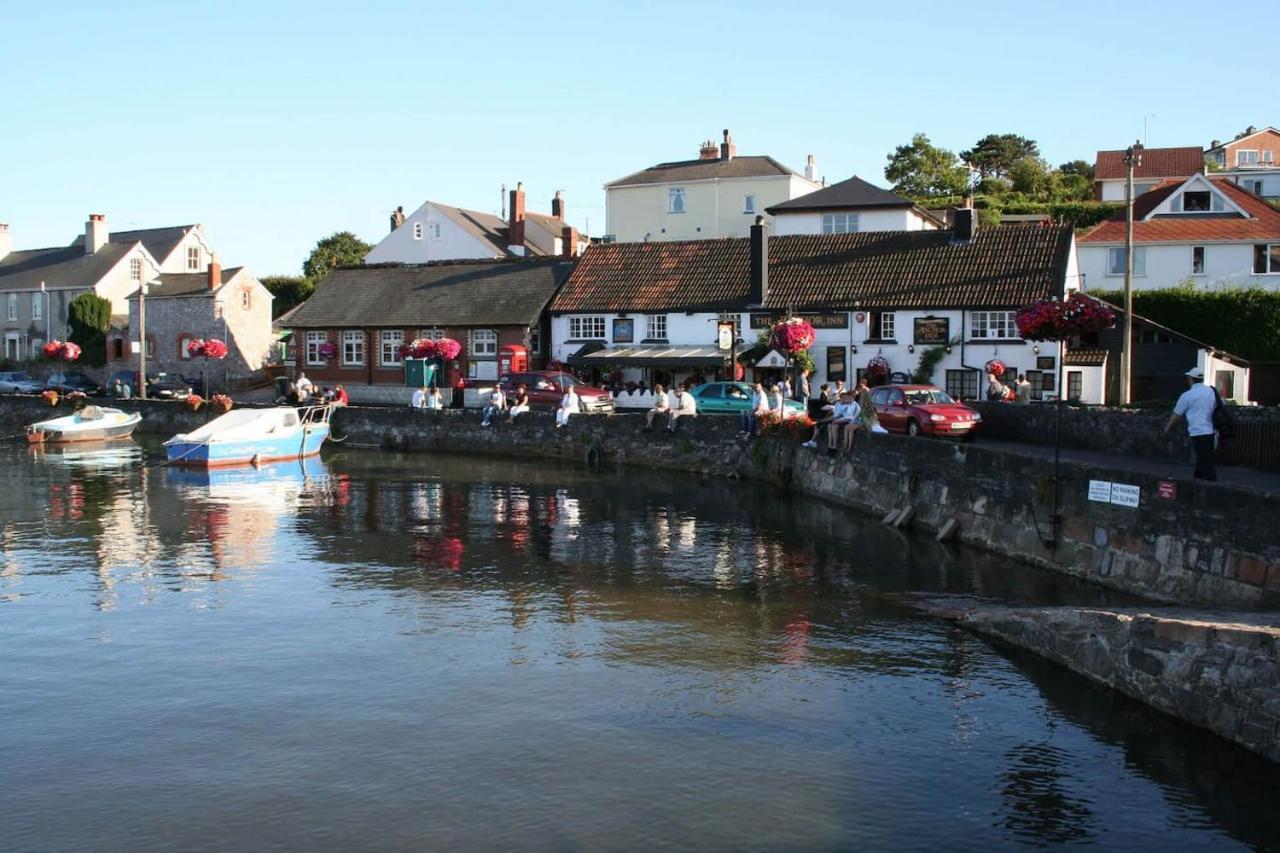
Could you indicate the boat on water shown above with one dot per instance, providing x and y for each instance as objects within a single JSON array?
[
  {"x": 252, "y": 436},
  {"x": 92, "y": 423}
]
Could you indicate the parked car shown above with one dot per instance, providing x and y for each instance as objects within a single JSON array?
[
  {"x": 734, "y": 397},
  {"x": 65, "y": 383},
  {"x": 19, "y": 382},
  {"x": 160, "y": 386},
  {"x": 923, "y": 410},
  {"x": 547, "y": 387}
]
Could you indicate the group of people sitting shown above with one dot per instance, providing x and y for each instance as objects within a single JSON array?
[
  {"x": 427, "y": 398},
  {"x": 518, "y": 404},
  {"x": 301, "y": 391},
  {"x": 673, "y": 407},
  {"x": 843, "y": 413}
]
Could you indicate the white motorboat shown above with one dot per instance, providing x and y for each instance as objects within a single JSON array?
[{"x": 92, "y": 423}]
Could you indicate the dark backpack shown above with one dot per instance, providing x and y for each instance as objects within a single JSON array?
[{"x": 1222, "y": 420}]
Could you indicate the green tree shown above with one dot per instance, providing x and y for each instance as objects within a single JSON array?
[
  {"x": 88, "y": 318},
  {"x": 1030, "y": 176},
  {"x": 996, "y": 153},
  {"x": 337, "y": 250},
  {"x": 922, "y": 170},
  {"x": 289, "y": 291},
  {"x": 1078, "y": 167}
]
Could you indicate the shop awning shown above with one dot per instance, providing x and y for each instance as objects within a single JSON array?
[{"x": 654, "y": 355}]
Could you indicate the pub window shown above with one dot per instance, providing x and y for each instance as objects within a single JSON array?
[
  {"x": 1075, "y": 384},
  {"x": 883, "y": 326},
  {"x": 835, "y": 364},
  {"x": 656, "y": 326},
  {"x": 586, "y": 328},
  {"x": 962, "y": 384},
  {"x": 993, "y": 325},
  {"x": 1035, "y": 377}
]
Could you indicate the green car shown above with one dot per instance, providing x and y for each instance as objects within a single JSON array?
[{"x": 733, "y": 398}]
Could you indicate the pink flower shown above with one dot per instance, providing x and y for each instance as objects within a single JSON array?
[{"x": 791, "y": 335}]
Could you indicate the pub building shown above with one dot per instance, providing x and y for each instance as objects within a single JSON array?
[{"x": 653, "y": 310}]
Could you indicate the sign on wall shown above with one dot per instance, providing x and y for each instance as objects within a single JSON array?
[
  {"x": 724, "y": 336},
  {"x": 1119, "y": 494},
  {"x": 1044, "y": 362},
  {"x": 932, "y": 330},
  {"x": 772, "y": 359},
  {"x": 818, "y": 321},
  {"x": 624, "y": 331}
]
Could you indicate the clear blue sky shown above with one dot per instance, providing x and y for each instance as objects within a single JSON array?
[{"x": 275, "y": 124}]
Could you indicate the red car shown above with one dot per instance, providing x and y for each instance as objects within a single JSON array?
[
  {"x": 923, "y": 410},
  {"x": 547, "y": 387}
]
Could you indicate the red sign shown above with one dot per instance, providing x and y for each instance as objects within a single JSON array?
[
  {"x": 1167, "y": 490},
  {"x": 860, "y": 317}
]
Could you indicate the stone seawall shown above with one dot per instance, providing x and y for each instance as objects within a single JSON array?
[{"x": 1218, "y": 672}]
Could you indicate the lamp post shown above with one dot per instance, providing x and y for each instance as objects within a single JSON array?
[
  {"x": 1132, "y": 159},
  {"x": 142, "y": 337},
  {"x": 44, "y": 296}
]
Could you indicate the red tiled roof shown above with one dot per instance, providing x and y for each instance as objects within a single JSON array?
[
  {"x": 1184, "y": 228},
  {"x": 1156, "y": 163},
  {"x": 1001, "y": 267}
]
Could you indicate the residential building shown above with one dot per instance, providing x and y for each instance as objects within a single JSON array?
[
  {"x": 1203, "y": 229},
  {"x": 1110, "y": 174},
  {"x": 652, "y": 310},
  {"x": 227, "y": 304},
  {"x": 176, "y": 248},
  {"x": 1253, "y": 149},
  {"x": 439, "y": 232},
  {"x": 848, "y": 207},
  {"x": 719, "y": 194},
  {"x": 366, "y": 313}
]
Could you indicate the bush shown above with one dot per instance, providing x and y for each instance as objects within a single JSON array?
[
  {"x": 1215, "y": 318},
  {"x": 89, "y": 317}
]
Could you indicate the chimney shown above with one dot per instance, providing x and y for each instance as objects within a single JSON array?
[
  {"x": 811, "y": 170},
  {"x": 95, "y": 233},
  {"x": 569, "y": 242},
  {"x": 966, "y": 227},
  {"x": 759, "y": 262},
  {"x": 6, "y": 240},
  {"x": 557, "y": 206},
  {"x": 709, "y": 151},
  {"x": 215, "y": 272},
  {"x": 727, "y": 148},
  {"x": 515, "y": 229}
]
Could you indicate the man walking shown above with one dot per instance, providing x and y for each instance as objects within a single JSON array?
[{"x": 1196, "y": 406}]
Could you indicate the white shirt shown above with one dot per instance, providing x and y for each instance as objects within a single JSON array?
[
  {"x": 759, "y": 401},
  {"x": 418, "y": 399},
  {"x": 1196, "y": 405},
  {"x": 304, "y": 387},
  {"x": 569, "y": 401}
]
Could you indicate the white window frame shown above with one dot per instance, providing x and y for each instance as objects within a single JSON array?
[
  {"x": 840, "y": 223},
  {"x": 1253, "y": 185},
  {"x": 417, "y": 230},
  {"x": 1203, "y": 260},
  {"x": 1115, "y": 261},
  {"x": 435, "y": 230},
  {"x": 13, "y": 306},
  {"x": 589, "y": 327},
  {"x": 389, "y": 343},
  {"x": 655, "y": 326},
  {"x": 535, "y": 340},
  {"x": 993, "y": 325},
  {"x": 1242, "y": 160},
  {"x": 313, "y": 342},
  {"x": 888, "y": 326},
  {"x": 353, "y": 348},
  {"x": 135, "y": 269},
  {"x": 37, "y": 306},
  {"x": 431, "y": 334},
  {"x": 484, "y": 344},
  {"x": 193, "y": 258},
  {"x": 676, "y": 200},
  {"x": 749, "y": 204},
  {"x": 1272, "y": 254}
]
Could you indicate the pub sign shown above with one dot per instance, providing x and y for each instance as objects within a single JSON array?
[{"x": 932, "y": 330}]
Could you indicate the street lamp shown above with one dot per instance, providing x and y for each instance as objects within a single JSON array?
[
  {"x": 1132, "y": 159},
  {"x": 142, "y": 336}
]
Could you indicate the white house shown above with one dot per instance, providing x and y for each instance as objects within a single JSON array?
[
  {"x": 1201, "y": 229},
  {"x": 720, "y": 194},
  {"x": 847, "y": 207},
  {"x": 439, "y": 232},
  {"x": 1110, "y": 174}
]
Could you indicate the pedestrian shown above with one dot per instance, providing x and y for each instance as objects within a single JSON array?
[
  {"x": 568, "y": 406},
  {"x": 497, "y": 404},
  {"x": 776, "y": 400},
  {"x": 434, "y": 400},
  {"x": 340, "y": 397},
  {"x": 786, "y": 387},
  {"x": 759, "y": 406},
  {"x": 1023, "y": 392},
  {"x": 842, "y": 423},
  {"x": 995, "y": 390},
  {"x": 826, "y": 414},
  {"x": 803, "y": 388},
  {"x": 1196, "y": 406},
  {"x": 303, "y": 387},
  {"x": 661, "y": 406},
  {"x": 869, "y": 421},
  {"x": 521, "y": 403},
  {"x": 418, "y": 400},
  {"x": 682, "y": 407}
]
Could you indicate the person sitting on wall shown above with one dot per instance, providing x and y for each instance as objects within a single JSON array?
[
  {"x": 661, "y": 407},
  {"x": 521, "y": 403},
  {"x": 684, "y": 406},
  {"x": 303, "y": 387},
  {"x": 759, "y": 408},
  {"x": 340, "y": 397},
  {"x": 418, "y": 400},
  {"x": 569, "y": 405},
  {"x": 497, "y": 403},
  {"x": 825, "y": 415},
  {"x": 435, "y": 401}
]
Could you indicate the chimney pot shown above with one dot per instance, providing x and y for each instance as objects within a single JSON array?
[
  {"x": 557, "y": 206},
  {"x": 95, "y": 233},
  {"x": 515, "y": 225},
  {"x": 727, "y": 148},
  {"x": 709, "y": 151},
  {"x": 811, "y": 169},
  {"x": 215, "y": 272}
]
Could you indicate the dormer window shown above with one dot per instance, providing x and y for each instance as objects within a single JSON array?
[
  {"x": 1196, "y": 201},
  {"x": 675, "y": 200}
]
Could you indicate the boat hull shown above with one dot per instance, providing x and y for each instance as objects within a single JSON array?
[
  {"x": 219, "y": 454},
  {"x": 51, "y": 432}
]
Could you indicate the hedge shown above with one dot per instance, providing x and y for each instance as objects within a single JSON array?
[{"x": 1242, "y": 321}]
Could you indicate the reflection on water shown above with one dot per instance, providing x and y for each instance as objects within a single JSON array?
[{"x": 386, "y": 651}]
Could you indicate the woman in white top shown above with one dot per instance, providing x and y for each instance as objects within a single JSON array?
[
  {"x": 776, "y": 398},
  {"x": 434, "y": 400},
  {"x": 568, "y": 406}
]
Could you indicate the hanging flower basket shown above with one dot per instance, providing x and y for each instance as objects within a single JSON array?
[
  {"x": 448, "y": 349},
  {"x": 1053, "y": 320},
  {"x": 877, "y": 366},
  {"x": 61, "y": 350},
  {"x": 221, "y": 402},
  {"x": 76, "y": 399},
  {"x": 995, "y": 367},
  {"x": 194, "y": 402},
  {"x": 212, "y": 348},
  {"x": 791, "y": 335},
  {"x": 50, "y": 397},
  {"x": 327, "y": 351}
]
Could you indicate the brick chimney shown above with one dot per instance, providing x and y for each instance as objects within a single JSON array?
[
  {"x": 215, "y": 272},
  {"x": 95, "y": 233},
  {"x": 6, "y": 240},
  {"x": 811, "y": 170},
  {"x": 557, "y": 206},
  {"x": 569, "y": 242},
  {"x": 709, "y": 151},
  {"x": 759, "y": 262},
  {"x": 727, "y": 148},
  {"x": 515, "y": 225}
]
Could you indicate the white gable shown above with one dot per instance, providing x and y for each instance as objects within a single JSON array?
[
  {"x": 1198, "y": 185},
  {"x": 429, "y": 235}
]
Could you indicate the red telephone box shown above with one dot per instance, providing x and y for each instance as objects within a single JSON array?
[{"x": 512, "y": 358}]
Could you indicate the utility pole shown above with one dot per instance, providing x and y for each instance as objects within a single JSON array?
[{"x": 1132, "y": 159}]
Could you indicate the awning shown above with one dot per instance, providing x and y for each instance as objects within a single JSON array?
[
  {"x": 657, "y": 355},
  {"x": 1085, "y": 358}
]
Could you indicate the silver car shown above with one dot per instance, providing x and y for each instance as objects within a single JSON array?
[{"x": 19, "y": 382}]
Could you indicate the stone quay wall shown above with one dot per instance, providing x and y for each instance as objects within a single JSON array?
[{"x": 1218, "y": 673}]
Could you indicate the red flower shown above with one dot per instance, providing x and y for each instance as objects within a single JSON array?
[
  {"x": 995, "y": 366},
  {"x": 791, "y": 335},
  {"x": 878, "y": 366},
  {"x": 1051, "y": 320},
  {"x": 448, "y": 349}
]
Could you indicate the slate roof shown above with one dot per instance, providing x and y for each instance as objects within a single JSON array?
[
  {"x": 447, "y": 293},
  {"x": 1007, "y": 266},
  {"x": 494, "y": 230},
  {"x": 160, "y": 242},
  {"x": 1264, "y": 223},
  {"x": 60, "y": 267},
  {"x": 1156, "y": 163},
  {"x": 854, "y": 192},
  {"x": 186, "y": 283},
  {"x": 703, "y": 170}
]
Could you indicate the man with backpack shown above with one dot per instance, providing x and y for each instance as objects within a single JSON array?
[{"x": 1206, "y": 416}]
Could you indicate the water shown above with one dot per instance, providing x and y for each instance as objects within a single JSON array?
[{"x": 386, "y": 652}]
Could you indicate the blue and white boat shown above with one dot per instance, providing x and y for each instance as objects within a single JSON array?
[{"x": 251, "y": 437}]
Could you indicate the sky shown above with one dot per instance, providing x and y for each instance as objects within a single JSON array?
[{"x": 276, "y": 124}]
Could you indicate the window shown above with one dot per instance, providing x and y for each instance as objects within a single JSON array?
[
  {"x": 435, "y": 230},
  {"x": 183, "y": 340},
  {"x": 36, "y": 345},
  {"x": 417, "y": 230},
  {"x": 13, "y": 306},
  {"x": 193, "y": 258},
  {"x": 1115, "y": 261},
  {"x": 352, "y": 347},
  {"x": 1034, "y": 377},
  {"x": 1268, "y": 156},
  {"x": 390, "y": 342},
  {"x": 37, "y": 306},
  {"x": 962, "y": 384},
  {"x": 431, "y": 334},
  {"x": 675, "y": 200},
  {"x": 656, "y": 326},
  {"x": 1197, "y": 260},
  {"x": 835, "y": 364},
  {"x": 1246, "y": 157},
  {"x": 749, "y": 204},
  {"x": 117, "y": 347},
  {"x": 993, "y": 325},
  {"x": 1075, "y": 384},
  {"x": 535, "y": 340},
  {"x": 1253, "y": 185},
  {"x": 484, "y": 343},
  {"x": 1223, "y": 380},
  {"x": 586, "y": 328},
  {"x": 1266, "y": 260},
  {"x": 314, "y": 341},
  {"x": 839, "y": 223},
  {"x": 1193, "y": 202},
  {"x": 883, "y": 324},
  {"x": 135, "y": 269}
]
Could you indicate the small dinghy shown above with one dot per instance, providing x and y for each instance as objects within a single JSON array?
[
  {"x": 252, "y": 436},
  {"x": 92, "y": 423}
]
